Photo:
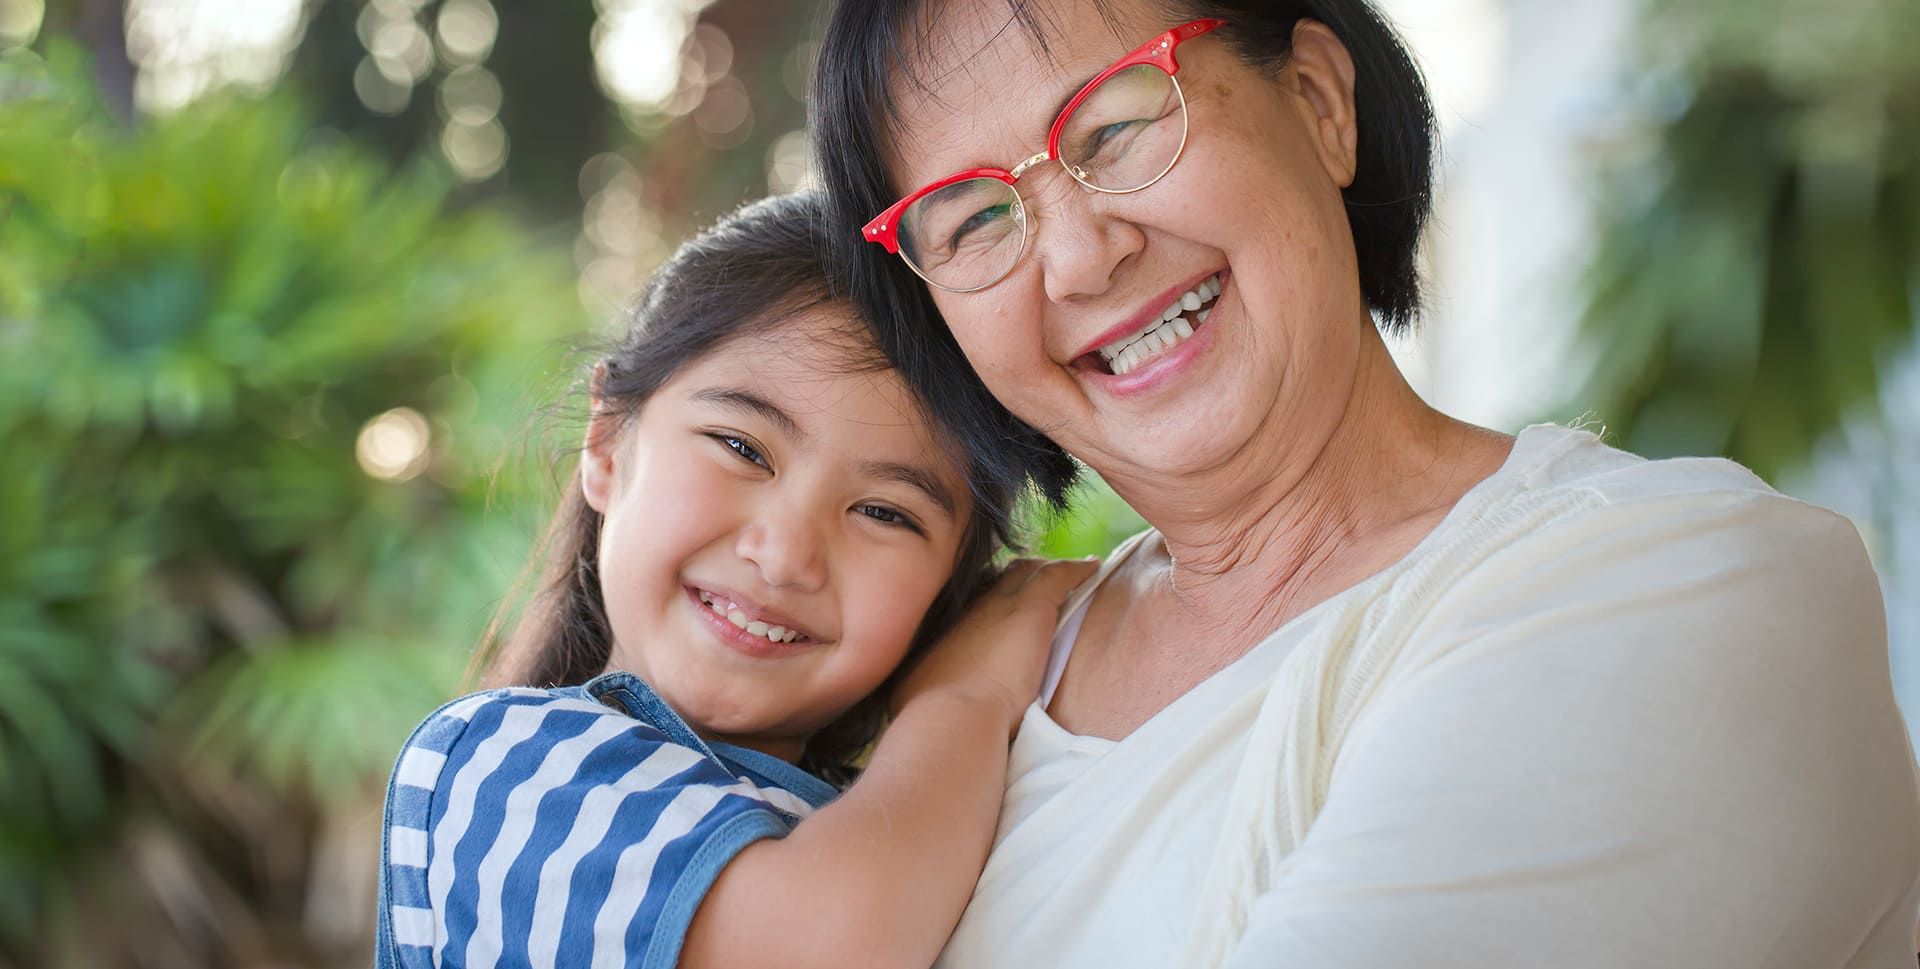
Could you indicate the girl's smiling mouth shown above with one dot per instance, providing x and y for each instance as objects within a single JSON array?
[{"x": 764, "y": 631}]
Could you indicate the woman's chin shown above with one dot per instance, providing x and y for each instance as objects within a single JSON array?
[{"x": 1173, "y": 444}]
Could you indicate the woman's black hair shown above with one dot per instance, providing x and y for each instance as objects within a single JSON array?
[
  {"x": 870, "y": 47},
  {"x": 751, "y": 271}
]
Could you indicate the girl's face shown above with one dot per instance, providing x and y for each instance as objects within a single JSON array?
[
  {"x": 1252, "y": 210},
  {"x": 775, "y": 528}
]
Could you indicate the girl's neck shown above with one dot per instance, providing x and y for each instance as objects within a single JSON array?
[
  {"x": 786, "y": 750},
  {"x": 1255, "y": 542}
]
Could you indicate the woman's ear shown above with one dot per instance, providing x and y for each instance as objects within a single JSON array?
[
  {"x": 1326, "y": 76},
  {"x": 598, "y": 464}
]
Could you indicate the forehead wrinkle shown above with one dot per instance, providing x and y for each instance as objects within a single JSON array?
[
  {"x": 1039, "y": 22},
  {"x": 926, "y": 74}
]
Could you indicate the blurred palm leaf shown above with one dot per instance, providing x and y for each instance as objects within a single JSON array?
[
  {"x": 1759, "y": 260},
  {"x": 197, "y": 320}
]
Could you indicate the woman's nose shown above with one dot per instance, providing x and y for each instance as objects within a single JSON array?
[
  {"x": 787, "y": 547},
  {"x": 1080, "y": 245}
]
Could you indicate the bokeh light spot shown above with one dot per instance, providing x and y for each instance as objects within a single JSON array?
[
  {"x": 378, "y": 92},
  {"x": 185, "y": 48},
  {"x": 20, "y": 21},
  {"x": 789, "y": 163},
  {"x": 470, "y": 95},
  {"x": 393, "y": 446},
  {"x": 476, "y": 151},
  {"x": 467, "y": 29}
]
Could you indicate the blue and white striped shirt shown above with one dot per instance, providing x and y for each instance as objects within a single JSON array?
[{"x": 576, "y": 827}]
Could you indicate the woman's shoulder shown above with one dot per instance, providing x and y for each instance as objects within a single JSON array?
[
  {"x": 1552, "y": 456},
  {"x": 1571, "y": 520},
  {"x": 1574, "y": 469}
]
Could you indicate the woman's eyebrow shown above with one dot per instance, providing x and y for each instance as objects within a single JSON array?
[
  {"x": 916, "y": 478},
  {"x": 741, "y": 399},
  {"x": 1067, "y": 98}
]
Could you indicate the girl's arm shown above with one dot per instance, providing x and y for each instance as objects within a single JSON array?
[{"x": 880, "y": 876}]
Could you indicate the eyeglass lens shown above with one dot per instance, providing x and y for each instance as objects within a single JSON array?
[{"x": 1122, "y": 137}]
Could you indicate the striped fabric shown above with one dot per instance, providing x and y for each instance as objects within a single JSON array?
[{"x": 575, "y": 827}]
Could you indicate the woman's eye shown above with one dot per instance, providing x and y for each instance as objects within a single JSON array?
[
  {"x": 979, "y": 220},
  {"x": 889, "y": 516},
  {"x": 742, "y": 447},
  {"x": 1109, "y": 137}
]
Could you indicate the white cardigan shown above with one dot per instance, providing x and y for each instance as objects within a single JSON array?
[{"x": 1610, "y": 713}]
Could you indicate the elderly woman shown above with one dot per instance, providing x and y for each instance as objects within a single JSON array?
[{"x": 1379, "y": 688}]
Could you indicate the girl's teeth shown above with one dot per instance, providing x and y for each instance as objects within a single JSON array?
[{"x": 756, "y": 627}]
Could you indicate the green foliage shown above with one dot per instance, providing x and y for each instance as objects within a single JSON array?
[
  {"x": 1759, "y": 261},
  {"x": 1095, "y": 521},
  {"x": 199, "y": 584}
]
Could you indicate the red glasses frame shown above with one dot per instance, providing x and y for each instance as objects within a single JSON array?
[{"x": 1159, "y": 52}]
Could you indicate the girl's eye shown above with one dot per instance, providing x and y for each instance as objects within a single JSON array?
[
  {"x": 742, "y": 447},
  {"x": 888, "y": 516}
]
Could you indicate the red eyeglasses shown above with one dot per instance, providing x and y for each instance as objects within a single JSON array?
[{"x": 1120, "y": 133}]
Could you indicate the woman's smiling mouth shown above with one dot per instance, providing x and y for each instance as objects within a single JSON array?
[
  {"x": 1176, "y": 322},
  {"x": 1158, "y": 332}
]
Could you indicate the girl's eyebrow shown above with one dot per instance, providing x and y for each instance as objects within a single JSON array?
[
  {"x": 916, "y": 478},
  {"x": 919, "y": 479},
  {"x": 740, "y": 399}
]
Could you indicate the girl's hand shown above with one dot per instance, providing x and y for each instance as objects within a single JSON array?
[{"x": 996, "y": 654}]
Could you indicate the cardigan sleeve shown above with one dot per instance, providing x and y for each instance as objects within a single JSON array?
[{"x": 1659, "y": 733}]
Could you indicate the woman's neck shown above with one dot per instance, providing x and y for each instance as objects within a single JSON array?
[{"x": 1295, "y": 519}]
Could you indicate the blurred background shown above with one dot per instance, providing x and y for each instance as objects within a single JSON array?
[{"x": 292, "y": 291}]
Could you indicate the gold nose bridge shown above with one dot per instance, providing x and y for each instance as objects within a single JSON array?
[{"x": 1021, "y": 169}]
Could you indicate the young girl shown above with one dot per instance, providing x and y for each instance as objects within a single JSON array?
[{"x": 762, "y": 527}]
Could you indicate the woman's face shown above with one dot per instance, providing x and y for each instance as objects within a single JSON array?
[{"x": 1252, "y": 209}]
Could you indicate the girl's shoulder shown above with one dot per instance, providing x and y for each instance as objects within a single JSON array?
[
  {"x": 510, "y": 723},
  {"x": 572, "y": 810},
  {"x": 611, "y": 731}
]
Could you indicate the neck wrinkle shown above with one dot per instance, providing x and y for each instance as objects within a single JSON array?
[{"x": 1258, "y": 540}]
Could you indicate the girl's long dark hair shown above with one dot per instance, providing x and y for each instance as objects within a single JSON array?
[{"x": 752, "y": 270}]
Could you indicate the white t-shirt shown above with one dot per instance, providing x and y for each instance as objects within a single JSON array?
[{"x": 1610, "y": 713}]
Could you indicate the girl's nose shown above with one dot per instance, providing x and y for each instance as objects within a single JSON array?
[{"x": 787, "y": 546}]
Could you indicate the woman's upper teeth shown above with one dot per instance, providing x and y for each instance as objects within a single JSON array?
[
  {"x": 1129, "y": 352},
  {"x": 739, "y": 617}
]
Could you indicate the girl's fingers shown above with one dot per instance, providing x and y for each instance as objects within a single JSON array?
[
  {"x": 1056, "y": 580},
  {"x": 1046, "y": 579}
]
